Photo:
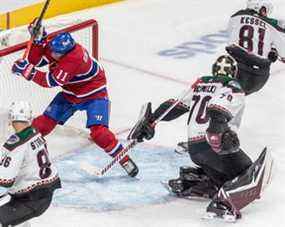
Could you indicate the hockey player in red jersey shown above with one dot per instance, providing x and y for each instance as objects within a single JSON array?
[{"x": 83, "y": 84}]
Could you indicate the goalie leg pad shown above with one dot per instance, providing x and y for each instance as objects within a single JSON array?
[{"x": 247, "y": 187}]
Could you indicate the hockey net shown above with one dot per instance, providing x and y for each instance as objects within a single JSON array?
[{"x": 13, "y": 88}]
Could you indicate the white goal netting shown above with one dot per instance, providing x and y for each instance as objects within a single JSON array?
[{"x": 12, "y": 47}]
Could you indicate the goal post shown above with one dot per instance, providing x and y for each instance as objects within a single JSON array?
[{"x": 15, "y": 88}]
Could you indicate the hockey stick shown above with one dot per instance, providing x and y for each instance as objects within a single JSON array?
[
  {"x": 281, "y": 59},
  {"x": 93, "y": 170},
  {"x": 36, "y": 29}
]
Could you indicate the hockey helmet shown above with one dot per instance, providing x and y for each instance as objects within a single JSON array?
[
  {"x": 62, "y": 43},
  {"x": 257, "y": 5},
  {"x": 20, "y": 111},
  {"x": 225, "y": 65}
]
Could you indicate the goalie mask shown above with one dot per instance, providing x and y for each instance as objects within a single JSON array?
[
  {"x": 263, "y": 7},
  {"x": 225, "y": 65},
  {"x": 20, "y": 111}
]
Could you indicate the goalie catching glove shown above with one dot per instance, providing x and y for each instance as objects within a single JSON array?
[
  {"x": 23, "y": 68},
  {"x": 144, "y": 128}
]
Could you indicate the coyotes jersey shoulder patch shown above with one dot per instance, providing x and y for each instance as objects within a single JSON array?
[{"x": 19, "y": 138}]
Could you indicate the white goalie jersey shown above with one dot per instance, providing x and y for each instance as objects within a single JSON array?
[
  {"x": 25, "y": 163},
  {"x": 213, "y": 92},
  {"x": 256, "y": 34}
]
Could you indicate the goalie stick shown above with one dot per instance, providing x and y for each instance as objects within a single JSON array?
[
  {"x": 37, "y": 28},
  {"x": 93, "y": 170}
]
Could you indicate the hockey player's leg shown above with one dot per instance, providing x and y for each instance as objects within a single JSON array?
[
  {"x": 106, "y": 140},
  {"x": 58, "y": 112},
  {"x": 44, "y": 124},
  {"x": 192, "y": 182},
  {"x": 219, "y": 168},
  {"x": 98, "y": 121},
  {"x": 19, "y": 210},
  {"x": 244, "y": 189},
  {"x": 253, "y": 72},
  {"x": 214, "y": 171}
]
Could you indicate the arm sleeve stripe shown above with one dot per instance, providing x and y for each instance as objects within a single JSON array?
[
  {"x": 44, "y": 61},
  {"x": 51, "y": 81}
]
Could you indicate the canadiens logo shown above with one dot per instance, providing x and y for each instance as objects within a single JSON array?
[{"x": 13, "y": 139}]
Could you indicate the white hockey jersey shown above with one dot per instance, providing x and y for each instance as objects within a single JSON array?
[
  {"x": 25, "y": 163},
  {"x": 213, "y": 92},
  {"x": 256, "y": 34}
]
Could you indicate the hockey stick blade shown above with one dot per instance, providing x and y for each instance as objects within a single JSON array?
[
  {"x": 93, "y": 170},
  {"x": 90, "y": 169}
]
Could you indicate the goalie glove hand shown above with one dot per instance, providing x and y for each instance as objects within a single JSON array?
[
  {"x": 39, "y": 33},
  {"x": 273, "y": 55},
  {"x": 23, "y": 68},
  {"x": 144, "y": 128}
]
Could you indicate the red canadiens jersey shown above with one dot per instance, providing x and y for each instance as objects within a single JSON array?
[{"x": 81, "y": 77}]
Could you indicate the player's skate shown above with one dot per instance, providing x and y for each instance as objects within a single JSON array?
[
  {"x": 129, "y": 166},
  {"x": 192, "y": 182}
]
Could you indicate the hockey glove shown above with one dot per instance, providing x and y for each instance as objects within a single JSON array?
[
  {"x": 226, "y": 142},
  {"x": 143, "y": 130},
  {"x": 23, "y": 68},
  {"x": 39, "y": 33},
  {"x": 230, "y": 141},
  {"x": 273, "y": 55}
]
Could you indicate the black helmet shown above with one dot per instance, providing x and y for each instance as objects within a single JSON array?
[{"x": 225, "y": 65}]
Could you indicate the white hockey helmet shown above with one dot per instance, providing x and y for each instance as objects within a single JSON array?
[
  {"x": 257, "y": 5},
  {"x": 20, "y": 111}
]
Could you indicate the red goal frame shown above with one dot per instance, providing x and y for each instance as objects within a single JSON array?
[{"x": 81, "y": 25}]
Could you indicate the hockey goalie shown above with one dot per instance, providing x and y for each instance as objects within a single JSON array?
[{"x": 223, "y": 172}]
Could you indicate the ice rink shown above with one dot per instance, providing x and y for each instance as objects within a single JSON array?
[{"x": 151, "y": 50}]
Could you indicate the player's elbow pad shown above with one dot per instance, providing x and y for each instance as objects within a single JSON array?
[{"x": 218, "y": 121}]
